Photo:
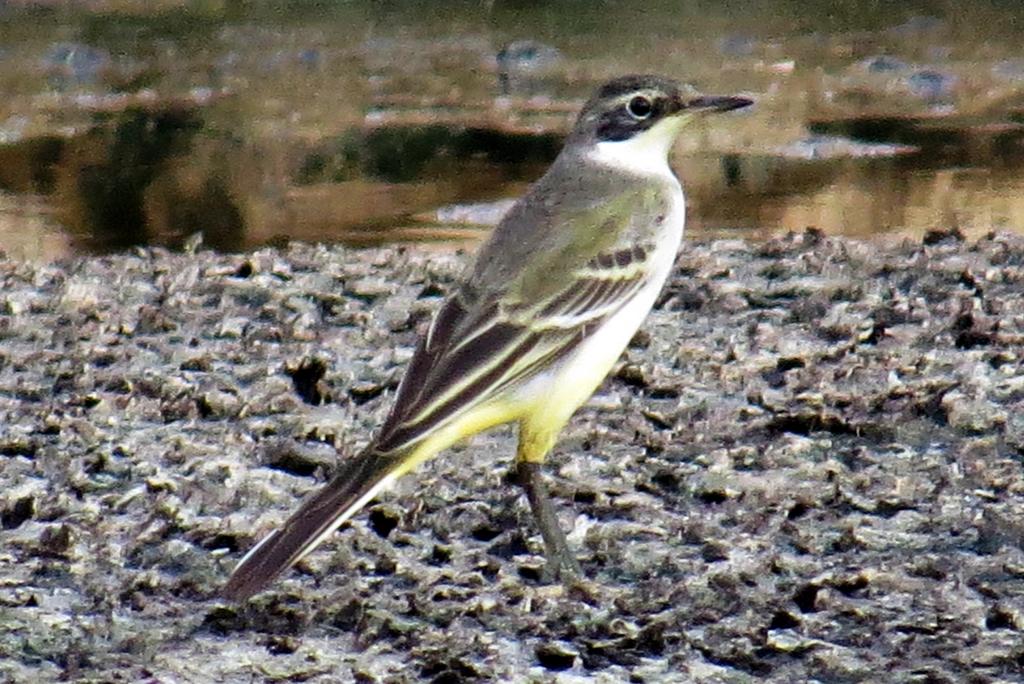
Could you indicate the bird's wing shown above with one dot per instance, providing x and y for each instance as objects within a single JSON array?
[{"x": 473, "y": 352}]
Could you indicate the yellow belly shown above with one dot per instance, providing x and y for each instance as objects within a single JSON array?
[{"x": 551, "y": 398}]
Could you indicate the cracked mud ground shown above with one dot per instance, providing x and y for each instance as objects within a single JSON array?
[{"x": 807, "y": 467}]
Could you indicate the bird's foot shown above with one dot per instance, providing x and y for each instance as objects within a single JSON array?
[{"x": 561, "y": 562}]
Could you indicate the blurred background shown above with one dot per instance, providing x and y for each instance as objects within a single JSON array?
[{"x": 131, "y": 122}]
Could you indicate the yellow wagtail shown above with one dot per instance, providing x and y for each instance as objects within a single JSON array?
[{"x": 554, "y": 296}]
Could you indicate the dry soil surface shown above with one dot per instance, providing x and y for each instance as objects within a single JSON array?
[{"x": 807, "y": 467}]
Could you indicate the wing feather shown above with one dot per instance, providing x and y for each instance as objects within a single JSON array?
[{"x": 473, "y": 352}]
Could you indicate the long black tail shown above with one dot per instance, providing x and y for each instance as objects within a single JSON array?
[{"x": 316, "y": 519}]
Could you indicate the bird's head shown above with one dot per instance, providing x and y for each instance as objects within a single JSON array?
[{"x": 636, "y": 118}]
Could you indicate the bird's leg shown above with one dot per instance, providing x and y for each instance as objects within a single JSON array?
[{"x": 561, "y": 563}]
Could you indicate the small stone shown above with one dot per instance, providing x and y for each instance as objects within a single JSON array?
[
  {"x": 788, "y": 641},
  {"x": 972, "y": 416},
  {"x": 232, "y": 328},
  {"x": 556, "y": 656}
]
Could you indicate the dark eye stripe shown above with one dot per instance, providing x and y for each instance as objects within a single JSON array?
[{"x": 619, "y": 124}]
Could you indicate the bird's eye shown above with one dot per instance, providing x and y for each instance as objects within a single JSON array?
[{"x": 640, "y": 108}]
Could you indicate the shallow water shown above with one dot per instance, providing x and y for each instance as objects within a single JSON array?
[{"x": 134, "y": 123}]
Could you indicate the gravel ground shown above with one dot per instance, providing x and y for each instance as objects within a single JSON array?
[{"x": 807, "y": 467}]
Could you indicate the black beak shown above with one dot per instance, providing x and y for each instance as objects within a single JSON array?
[{"x": 718, "y": 103}]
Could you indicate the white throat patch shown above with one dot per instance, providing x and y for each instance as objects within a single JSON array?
[{"x": 644, "y": 154}]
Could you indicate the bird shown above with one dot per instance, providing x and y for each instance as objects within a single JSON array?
[{"x": 541, "y": 316}]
